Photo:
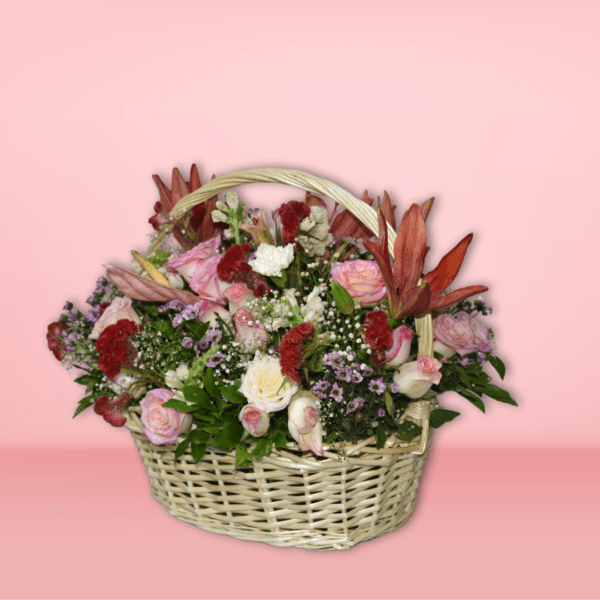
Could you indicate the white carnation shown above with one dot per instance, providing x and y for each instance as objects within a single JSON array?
[{"x": 271, "y": 260}]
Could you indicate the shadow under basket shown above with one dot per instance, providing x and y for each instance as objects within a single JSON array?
[{"x": 355, "y": 493}]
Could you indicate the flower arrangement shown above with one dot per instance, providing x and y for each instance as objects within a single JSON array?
[{"x": 243, "y": 336}]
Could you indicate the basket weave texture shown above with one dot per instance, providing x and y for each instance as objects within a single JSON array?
[{"x": 356, "y": 492}]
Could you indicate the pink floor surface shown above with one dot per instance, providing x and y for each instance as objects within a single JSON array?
[{"x": 489, "y": 523}]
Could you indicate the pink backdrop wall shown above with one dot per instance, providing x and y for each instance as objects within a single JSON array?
[{"x": 491, "y": 107}]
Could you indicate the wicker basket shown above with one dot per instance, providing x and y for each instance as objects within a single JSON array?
[{"x": 356, "y": 492}]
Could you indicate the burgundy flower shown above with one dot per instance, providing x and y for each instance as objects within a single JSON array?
[
  {"x": 378, "y": 335},
  {"x": 56, "y": 342},
  {"x": 112, "y": 410},
  {"x": 290, "y": 215},
  {"x": 291, "y": 348},
  {"x": 234, "y": 263}
]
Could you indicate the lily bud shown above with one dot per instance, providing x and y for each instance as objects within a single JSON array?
[{"x": 218, "y": 216}]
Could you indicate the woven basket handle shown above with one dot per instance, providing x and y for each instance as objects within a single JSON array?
[{"x": 316, "y": 185}]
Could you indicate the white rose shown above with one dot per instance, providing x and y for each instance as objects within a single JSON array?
[
  {"x": 176, "y": 379},
  {"x": 415, "y": 378},
  {"x": 262, "y": 385},
  {"x": 270, "y": 260}
]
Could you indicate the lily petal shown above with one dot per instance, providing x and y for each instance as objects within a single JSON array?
[
  {"x": 456, "y": 296},
  {"x": 444, "y": 274},
  {"x": 410, "y": 249}
]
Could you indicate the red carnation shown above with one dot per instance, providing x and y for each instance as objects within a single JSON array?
[
  {"x": 290, "y": 215},
  {"x": 378, "y": 335},
  {"x": 234, "y": 264},
  {"x": 115, "y": 348},
  {"x": 55, "y": 340},
  {"x": 291, "y": 349}
]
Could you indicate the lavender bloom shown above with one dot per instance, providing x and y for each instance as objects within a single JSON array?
[
  {"x": 352, "y": 406},
  {"x": 377, "y": 386},
  {"x": 381, "y": 412},
  {"x": 333, "y": 359},
  {"x": 187, "y": 342},
  {"x": 367, "y": 371},
  {"x": 375, "y": 423},
  {"x": 321, "y": 385},
  {"x": 203, "y": 344},
  {"x": 344, "y": 374},
  {"x": 394, "y": 388},
  {"x": 336, "y": 393},
  {"x": 93, "y": 314},
  {"x": 216, "y": 359},
  {"x": 356, "y": 376},
  {"x": 213, "y": 336},
  {"x": 463, "y": 361},
  {"x": 173, "y": 305}
]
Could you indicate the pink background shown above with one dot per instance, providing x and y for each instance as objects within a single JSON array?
[{"x": 490, "y": 106}]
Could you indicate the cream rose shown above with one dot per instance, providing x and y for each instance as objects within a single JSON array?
[
  {"x": 415, "y": 378},
  {"x": 254, "y": 421},
  {"x": 263, "y": 385},
  {"x": 304, "y": 424}
]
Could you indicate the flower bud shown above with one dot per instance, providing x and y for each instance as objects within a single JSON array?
[
  {"x": 221, "y": 205},
  {"x": 218, "y": 216},
  {"x": 254, "y": 421},
  {"x": 232, "y": 200}
]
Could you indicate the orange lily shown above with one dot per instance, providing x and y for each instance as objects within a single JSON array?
[{"x": 409, "y": 291}]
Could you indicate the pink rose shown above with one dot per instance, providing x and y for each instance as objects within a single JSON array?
[
  {"x": 120, "y": 308},
  {"x": 199, "y": 268},
  {"x": 208, "y": 311},
  {"x": 239, "y": 295},
  {"x": 250, "y": 333},
  {"x": 362, "y": 279},
  {"x": 163, "y": 425},
  {"x": 187, "y": 264},
  {"x": 462, "y": 333},
  {"x": 415, "y": 378},
  {"x": 254, "y": 421},
  {"x": 400, "y": 349},
  {"x": 304, "y": 424}
]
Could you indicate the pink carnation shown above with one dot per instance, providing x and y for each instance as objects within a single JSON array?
[{"x": 462, "y": 333}]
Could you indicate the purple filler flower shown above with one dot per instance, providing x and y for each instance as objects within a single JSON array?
[
  {"x": 216, "y": 359},
  {"x": 336, "y": 393},
  {"x": 187, "y": 342},
  {"x": 321, "y": 385},
  {"x": 394, "y": 388},
  {"x": 377, "y": 386},
  {"x": 381, "y": 412},
  {"x": 333, "y": 359}
]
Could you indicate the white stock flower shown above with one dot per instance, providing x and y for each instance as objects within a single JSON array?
[
  {"x": 271, "y": 260},
  {"x": 316, "y": 226},
  {"x": 314, "y": 307}
]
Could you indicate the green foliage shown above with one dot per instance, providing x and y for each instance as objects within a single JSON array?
[
  {"x": 408, "y": 431},
  {"x": 381, "y": 435},
  {"x": 497, "y": 364},
  {"x": 342, "y": 298},
  {"x": 439, "y": 416},
  {"x": 196, "y": 395}
]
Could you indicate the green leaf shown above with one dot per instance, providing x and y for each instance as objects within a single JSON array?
[
  {"x": 280, "y": 439},
  {"x": 178, "y": 405},
  {"x": 408, "y": 430},
  {"x": 342, "y": 298},
  {"x": 83, "y": 404},
  {"x": 88, "y": 380},
  {"x": 242, "y": 457},
  {"x": 263, "y": 448},
  {"x": 280, "y": 281},
  {"x": 195, "y": 394},
  {"x": 439, "y": 416},
  {"x": 231, "y": 394},
  {"x": 165, "y": 328},
  {"x": 198, "y": 436},
  {"x": 197, "y": 330},
  {"x": 209, "y": 384},
  {"x": 498, "y": 365},
  {"x": 493, "y": 391},
  {"x": 464, "y": 378},
  {"x": 476, "y": 400},
  {"x": 381, "y": 435},
  {"x": 181, "y": 447},
  {"x": 389, "y": 404},
  {"x": 198, "y": 451}
]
